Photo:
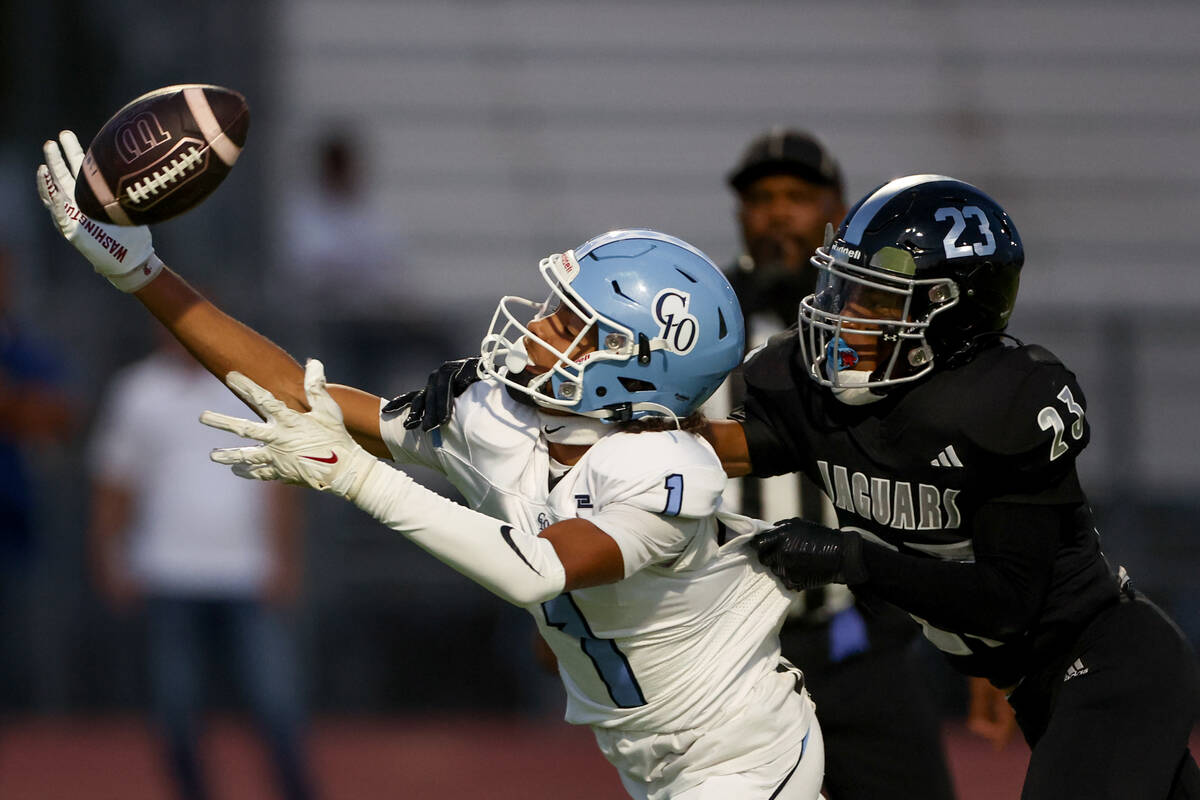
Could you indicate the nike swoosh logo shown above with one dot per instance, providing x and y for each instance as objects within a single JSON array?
[
  {"x": 506, "y": 532},
  {"x": 332, "y": 459},
  {"x": 548, "y": 429}
]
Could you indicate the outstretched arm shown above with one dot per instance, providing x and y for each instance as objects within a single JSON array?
[
  {"x": 224, "y": 345},
  {"x": 314, "y": 449},
  {"x": 125, "y": 255}
]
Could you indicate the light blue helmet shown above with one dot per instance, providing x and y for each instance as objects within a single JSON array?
[{"x": 668, "y": 329}]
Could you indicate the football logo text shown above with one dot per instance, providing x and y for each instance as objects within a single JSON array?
[
  {"x": 139, "y": 136},
  {"x": 897, "y": 504}
]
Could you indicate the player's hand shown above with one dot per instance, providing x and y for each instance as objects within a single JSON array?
[
  {"x": 433, "y": 405},
  {"x": 310, "y": 449},
  {"x": 124, "y": 255},
  {"x": 805, "y": 555}
]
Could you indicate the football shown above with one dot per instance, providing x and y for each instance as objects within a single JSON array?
[{"x": 162, "y": 154}]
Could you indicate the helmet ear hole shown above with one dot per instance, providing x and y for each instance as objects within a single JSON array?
[{"x": 636, "y": 385}]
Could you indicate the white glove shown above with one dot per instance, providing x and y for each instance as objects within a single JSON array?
[
  {"x": 311, "y": 449},
  {"x": 124, "y": 255}
]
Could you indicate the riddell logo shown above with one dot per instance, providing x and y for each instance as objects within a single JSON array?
[
  {"x": 847, "y": 253},
  {"x": 139, "y": 136},
  {"x": 569, "y": 264}
]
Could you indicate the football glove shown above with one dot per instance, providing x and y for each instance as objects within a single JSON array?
[
  {"x": 805, "y": 555},
  {"x": 124, "y": 255},
  {"x": 309, "y": 449},
  {"x": 432, "y": 405}
]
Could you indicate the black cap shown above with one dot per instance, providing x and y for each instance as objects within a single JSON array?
[{"x": 786, "y": 151}]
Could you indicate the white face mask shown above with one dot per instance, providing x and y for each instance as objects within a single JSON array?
[
  {"x": 572, "y": 428},
  {"x": 853, "y": 389}
]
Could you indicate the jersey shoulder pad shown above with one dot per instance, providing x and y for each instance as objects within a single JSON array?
[
  {"x": 1026, "y": 408},
  {"x": 666, "y": 472}
]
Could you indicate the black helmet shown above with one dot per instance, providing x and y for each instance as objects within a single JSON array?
[{"x": 924, "y": 264}]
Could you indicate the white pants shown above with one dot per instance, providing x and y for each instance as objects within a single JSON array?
[{"x": 775, "y": 781}]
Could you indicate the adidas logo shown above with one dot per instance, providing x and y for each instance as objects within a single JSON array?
[
  {"x": 946, "y": 458},
  {"x": 1075, "y": 670}
]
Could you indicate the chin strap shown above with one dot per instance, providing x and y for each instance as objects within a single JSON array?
[{"x": 624, "y": 412}]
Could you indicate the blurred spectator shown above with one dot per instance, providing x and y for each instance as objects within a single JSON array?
[
  {"x": 214, "y": 561},
  {"x": 34, "y": 410},
  {"x": 882, "y": 728},
  {"x": 341, "y": 257},
  {"x": 342, "y": 269}
]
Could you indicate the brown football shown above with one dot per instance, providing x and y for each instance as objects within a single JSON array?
[{"x": 162, "y": 154}]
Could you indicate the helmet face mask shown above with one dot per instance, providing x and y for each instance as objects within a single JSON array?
[
  {"x": 918, "y": 269},
  {"x": 637, "y": 323},
  {"x": 549, "y": 370},
  {"x": 869, "y": 321}
]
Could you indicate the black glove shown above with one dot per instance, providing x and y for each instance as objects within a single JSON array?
[
  {"x": 434, "y": 404},
  {"x": 805, "y": 555}
]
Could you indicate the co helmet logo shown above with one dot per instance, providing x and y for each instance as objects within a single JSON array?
[{"x": 677, "y": 327}]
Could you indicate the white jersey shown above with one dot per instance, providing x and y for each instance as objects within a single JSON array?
[{"x": 677, "y": 666}]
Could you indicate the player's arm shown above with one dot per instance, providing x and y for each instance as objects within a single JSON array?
[
  {"x": 223, "y": 345},
  {"x": 757, "y": 439},
  {"x": 997, "y": 595},
  {"x": 589, "y": 556},
  {"x": 314, "y": 449},
  {"x": 517, "y": 565},
  {"x": 125, "y": 255},
  {"x": 728, "y": 438}
]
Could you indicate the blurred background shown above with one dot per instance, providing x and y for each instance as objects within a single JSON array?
[{"x": 435, "y": 151}]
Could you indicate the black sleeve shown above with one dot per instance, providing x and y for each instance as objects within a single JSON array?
[
  {"x": 772, "y": 450},
  {"x": 997, "y": 596},
  {"x": 773, "y": 398}
]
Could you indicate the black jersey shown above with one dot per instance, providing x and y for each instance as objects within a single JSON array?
[{"x": 916, "y": 471}]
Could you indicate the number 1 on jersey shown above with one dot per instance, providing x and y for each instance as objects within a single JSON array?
[
  {"x": 610, "y": 662},
  {"x": 674, "y": 487}
]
